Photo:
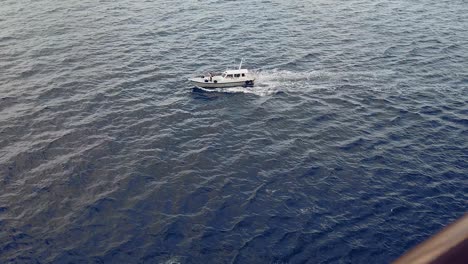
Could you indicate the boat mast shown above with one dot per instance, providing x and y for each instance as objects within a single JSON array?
[{"x": 240, "y": 65}]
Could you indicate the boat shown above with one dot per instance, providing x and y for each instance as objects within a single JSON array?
[{"x": 229, "y": 78}]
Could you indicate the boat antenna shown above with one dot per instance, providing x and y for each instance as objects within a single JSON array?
[{"x": 240, "y": 65}]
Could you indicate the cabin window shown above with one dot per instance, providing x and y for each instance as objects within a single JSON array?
[
  {"x": 237, "y": 75},
  {"x": 243, "y": 75},
  {"x": 229, "y": 75}
]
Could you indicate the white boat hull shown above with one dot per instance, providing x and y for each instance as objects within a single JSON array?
[
  {"x": 229, "y": 78},
  {"x": 213, "y": 84}
]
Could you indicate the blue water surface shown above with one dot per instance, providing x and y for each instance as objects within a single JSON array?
[{"x": 351, "y": 148}]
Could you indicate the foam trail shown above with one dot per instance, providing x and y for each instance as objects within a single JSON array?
[
  {"x": 283, "y": 80},
  {"x": 289, "y": 76}
]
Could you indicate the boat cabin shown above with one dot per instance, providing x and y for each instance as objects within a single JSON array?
[
  {"x": 229, "y": 78},
  {"x": 235, "y": 73}
]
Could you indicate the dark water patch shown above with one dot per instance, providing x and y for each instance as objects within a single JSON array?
[{"x": 455, "y": 119}]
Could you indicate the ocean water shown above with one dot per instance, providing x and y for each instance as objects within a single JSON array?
[{"x": 351, "y": 148}]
